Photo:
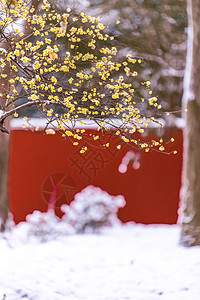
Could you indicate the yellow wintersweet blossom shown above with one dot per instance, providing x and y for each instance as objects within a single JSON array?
[
  {"x": 64, "y": 72},
  {"x": 48, "y": 131}
]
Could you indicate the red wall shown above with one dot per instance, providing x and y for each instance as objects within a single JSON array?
[{"x": 47, "y": 168}]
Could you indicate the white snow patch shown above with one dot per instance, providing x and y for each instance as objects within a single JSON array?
[
  {"x": 134, "y": 262},
  {"x": 1, "y": 113}
]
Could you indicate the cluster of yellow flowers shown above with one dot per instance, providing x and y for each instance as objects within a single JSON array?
[{"x": 59, "y": 61}]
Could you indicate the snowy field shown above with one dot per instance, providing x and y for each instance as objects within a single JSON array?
[{"x": 135, "y": 262}]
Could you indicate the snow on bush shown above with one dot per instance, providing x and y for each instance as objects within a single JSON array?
[
  {"x": 46, "y": 225},
  {"x": 92, "y": 209}
]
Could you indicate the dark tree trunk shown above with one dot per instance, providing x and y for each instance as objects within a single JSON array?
[
  {"x": 190, "y": 193},
  {"x": 4, "y": 148}
]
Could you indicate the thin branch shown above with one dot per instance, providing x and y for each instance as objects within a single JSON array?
[{"x": 167, "y": 71}]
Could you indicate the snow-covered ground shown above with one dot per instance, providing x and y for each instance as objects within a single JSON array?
[{"x": 135, "y": 262}]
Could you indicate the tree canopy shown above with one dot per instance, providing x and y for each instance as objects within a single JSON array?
[{"x": 66, "y": 65}]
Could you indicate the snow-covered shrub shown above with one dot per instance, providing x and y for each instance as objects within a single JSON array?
[
  {"x": 92, "y": 209},
  {"x": 46, "y": 225}
]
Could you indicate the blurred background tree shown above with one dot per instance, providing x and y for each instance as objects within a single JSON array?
[{"x": 153, "y": 30}]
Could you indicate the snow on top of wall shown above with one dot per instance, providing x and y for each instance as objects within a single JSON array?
[
  {"x": 180, "y": 122},
  {"x": 19, "y": 123}
]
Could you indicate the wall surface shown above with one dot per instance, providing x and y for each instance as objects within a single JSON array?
[{"x": 47, "y": 171}]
